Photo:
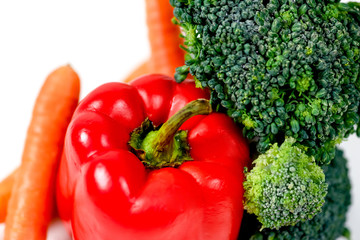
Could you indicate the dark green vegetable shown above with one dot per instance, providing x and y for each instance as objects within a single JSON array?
[
  {"x": 285, "y": 187},
  {"x": 279, "y": 67},
  {"x": 327, "y": 225}
]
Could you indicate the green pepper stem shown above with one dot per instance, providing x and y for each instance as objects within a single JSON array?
[
  {"x": 169, "y": 128},
  {"x": 167, "y": 146}
]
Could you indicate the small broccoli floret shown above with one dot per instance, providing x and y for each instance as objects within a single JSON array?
[
  {"x": 329, "y": 224},
  {"x": 284, "y": 187},
  {"x": 279, "y": 67}
]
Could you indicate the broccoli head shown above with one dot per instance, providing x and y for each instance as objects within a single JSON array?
[
  {"x": 284, "y": 187},
  {"x": 279, "y": 67},
  {"x": 329, "y": 224}
]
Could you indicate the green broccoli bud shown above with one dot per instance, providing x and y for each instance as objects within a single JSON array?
[
  {"x": 329, "y": 224},
  {"x": 252, "y": 54},
  {"x": 285, "y": 187}
]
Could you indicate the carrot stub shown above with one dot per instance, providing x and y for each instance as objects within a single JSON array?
[
  {"x": 5, "y": 193},
  {"x": 32, "y": 199},
  {"x": 142, "y": 69}
]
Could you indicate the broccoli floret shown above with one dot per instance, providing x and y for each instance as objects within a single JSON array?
[
  {"x": 284, "y": 187},
  {"x": 279, "y": 67},
  {"x": 327, "y": 225}
]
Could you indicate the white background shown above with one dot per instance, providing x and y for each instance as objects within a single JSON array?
[{"x": 103, "y": 41}]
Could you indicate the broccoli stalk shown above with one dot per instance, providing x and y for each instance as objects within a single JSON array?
[
  {"x": 281, "y": 68},
  {"x": 285, "y": 187}
]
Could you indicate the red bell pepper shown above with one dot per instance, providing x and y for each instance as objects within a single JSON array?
[{"x": 122, "y": 177}]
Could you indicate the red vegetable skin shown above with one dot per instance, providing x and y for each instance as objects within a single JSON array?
[{"x": 104, "y": 191}]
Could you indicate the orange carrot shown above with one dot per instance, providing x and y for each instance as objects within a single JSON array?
[
  {"x": 5, "y": 193},
  {"x": 32, "y": 200},
  {"x": 164, "y": 38},
  {"x": 6, "y": 186}
]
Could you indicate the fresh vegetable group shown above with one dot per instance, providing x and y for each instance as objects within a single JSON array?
[
  {"x": 276, "y": 87},
  {"x": 129, "y": 172},
  {"x": 285, "y": 70}
]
